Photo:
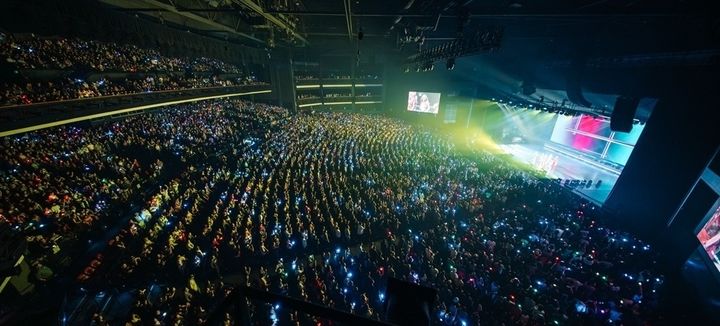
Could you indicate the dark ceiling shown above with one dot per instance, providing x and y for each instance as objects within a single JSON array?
[
  {"x": 605, "y": 46},
  {"x": 304, "y": 23}
]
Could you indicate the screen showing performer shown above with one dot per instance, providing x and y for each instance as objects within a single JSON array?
[
  {"x": 425, "y": 102},
  {"x": 709, "y": 237}
]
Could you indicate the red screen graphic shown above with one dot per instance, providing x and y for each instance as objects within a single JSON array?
[{"x": 709, "y": 237}]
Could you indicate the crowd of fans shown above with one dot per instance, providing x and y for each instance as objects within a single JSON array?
[
  {"x": 60, "y": 53},
  {"x": 338, "y": 94},
  {"x": 161, "y": 72},
  {"x": 307, "y": 95},
  {"x": 366, "y": 94},
  {"x": 323, "y": 207},
  {"x": 368, "y": 76},
  {"x": 69, "y": 89},
  {"x": 305, "y": 76},
  {"x": 333, "y": 95}
]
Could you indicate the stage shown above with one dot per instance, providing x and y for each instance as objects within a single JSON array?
[{"x": 557, "y": 161}]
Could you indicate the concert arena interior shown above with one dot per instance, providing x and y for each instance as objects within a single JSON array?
[{"x": 359, "y": 162}]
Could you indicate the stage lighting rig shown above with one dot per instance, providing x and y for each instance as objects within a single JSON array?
[
  {"x": 450, "y": 65},
  {"x": 413, "y": 37},
  {"x": 481, "y": 41},
  {"x": 427, "y": 66},
  {"x": 549, "y": 106}
]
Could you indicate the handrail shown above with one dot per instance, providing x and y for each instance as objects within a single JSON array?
[
  {"x": 84, "y": 117},
  {"x": 240, "y": 313},
  {"x": 126, "y": 72},
  {"x": 108, "y": 97}
]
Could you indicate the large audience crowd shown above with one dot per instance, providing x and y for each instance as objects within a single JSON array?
[
  {"x": 331, "y": 76},
  {"x": 160, "y": 72},
  {"x": 69, "y": 89},
  {"x": 323, "y": 207},
  {"x": 67, "y": 53}
]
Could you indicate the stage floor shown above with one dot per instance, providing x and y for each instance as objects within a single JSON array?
[{"x": 563, "y": 164}]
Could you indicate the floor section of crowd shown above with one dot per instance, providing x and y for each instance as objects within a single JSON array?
[{"x": 319, "y": 206}]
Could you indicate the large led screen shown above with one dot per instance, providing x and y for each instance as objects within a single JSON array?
[
  {"x": 425, "y": 102},
  {"x": 709, "y": 237},
  {"x": 593, "y": 135}
]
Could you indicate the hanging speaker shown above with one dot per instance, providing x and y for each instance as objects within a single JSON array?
[{"x": 623, "y": 113}]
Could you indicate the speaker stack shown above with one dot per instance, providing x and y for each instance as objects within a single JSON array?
[{"x": 623, "y": 113}]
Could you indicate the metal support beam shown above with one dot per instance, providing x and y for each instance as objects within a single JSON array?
[
  {"x": 197, "y": 18},
  {"x": 241, "y": 293},
  {"x": 150, "y": 9},
  {"x": 279, "y": 23},
  {"x": 501, "y": 14},
  {"x": 497, "y": 15},
  {"x": 348, "y": 18}
]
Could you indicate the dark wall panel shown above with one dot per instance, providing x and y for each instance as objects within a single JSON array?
[
  {"x": 282, "y": 79},
  {"x": 676, "y": 145}
]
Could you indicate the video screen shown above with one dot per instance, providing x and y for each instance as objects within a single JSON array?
[
  {"x": 591, "y": 135},
  {"x": 709, "y": 237},
  {"x": 425, "y": 102}
]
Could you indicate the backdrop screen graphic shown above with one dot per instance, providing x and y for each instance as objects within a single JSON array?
[
  {"x": 425, "y": 102},
  {"x": 593, "y": 135},
  {"x": 709, "y": 237}
]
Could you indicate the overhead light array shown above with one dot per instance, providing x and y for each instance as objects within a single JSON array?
[{"x": 481, "y": 41}]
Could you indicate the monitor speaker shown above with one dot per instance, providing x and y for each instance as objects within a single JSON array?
[
  {"x": 408, "y": 303},
  {"x": 623, "y": 113}
]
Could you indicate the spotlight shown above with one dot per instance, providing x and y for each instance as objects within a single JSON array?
[
  {"x": 428, "y": 66},
  {"x": 450, "y": 64}
]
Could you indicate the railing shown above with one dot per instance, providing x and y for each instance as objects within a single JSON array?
[
  {"x": 22, "y": 118},
  {"x": 306, "y": 100},
  {"x": 360, "y": 82},
  {"x": 51, "y": 74},
  {"x": 242, "y": 299},
  {"x": 110, "y": 97}
]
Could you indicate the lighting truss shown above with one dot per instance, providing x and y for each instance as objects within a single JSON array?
[{"x": 481, "y": 41}]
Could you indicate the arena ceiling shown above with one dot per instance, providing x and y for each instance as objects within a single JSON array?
[
  {"x": 300, "y": 22},
  {"x": 544, "y": 42}
]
